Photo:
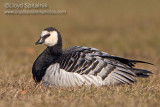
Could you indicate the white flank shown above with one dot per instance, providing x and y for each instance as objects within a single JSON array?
[{"x": 60, "y": 78}]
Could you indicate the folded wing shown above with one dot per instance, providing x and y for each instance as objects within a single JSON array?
[{"x": 98, "y": 68}]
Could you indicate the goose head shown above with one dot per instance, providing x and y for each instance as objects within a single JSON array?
[{"x": 49, "y": 37}]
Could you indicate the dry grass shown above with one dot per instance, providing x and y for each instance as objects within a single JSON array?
[{"x": 123, "y": 28}]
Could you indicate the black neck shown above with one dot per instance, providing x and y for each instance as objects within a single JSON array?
[
  {"x": 55, "y": 50},
  {"x": 45, "y": 59}
]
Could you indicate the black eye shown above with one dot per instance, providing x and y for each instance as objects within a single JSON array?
[{"x": 46, "y": 36}]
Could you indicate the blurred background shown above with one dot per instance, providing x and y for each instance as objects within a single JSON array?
[{"x": 126, "y": 28}]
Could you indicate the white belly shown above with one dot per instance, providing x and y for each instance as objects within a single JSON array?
[{"x": 60, "y": 78}]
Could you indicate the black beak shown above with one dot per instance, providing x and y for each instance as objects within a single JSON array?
[{"x": 40, "y": 41}]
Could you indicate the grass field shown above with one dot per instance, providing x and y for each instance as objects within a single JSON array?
[{"x": 124, "y": 28}]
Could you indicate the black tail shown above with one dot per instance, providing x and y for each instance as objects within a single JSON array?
[
  {"x": 141, "y": 72},
  {"x": 130, "y": 63}
]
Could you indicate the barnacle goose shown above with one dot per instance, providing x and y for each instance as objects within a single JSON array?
[{"x": 76, "y": 66}]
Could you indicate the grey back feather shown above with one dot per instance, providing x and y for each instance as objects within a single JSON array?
[{"x": 84, "y": 65}]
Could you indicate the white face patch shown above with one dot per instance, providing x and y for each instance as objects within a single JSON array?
[
  {"x": 52, "y": 39},
  {"x": 44, "y": 33}
]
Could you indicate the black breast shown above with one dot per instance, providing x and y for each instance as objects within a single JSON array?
[{"x": 44, "y": 60}]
